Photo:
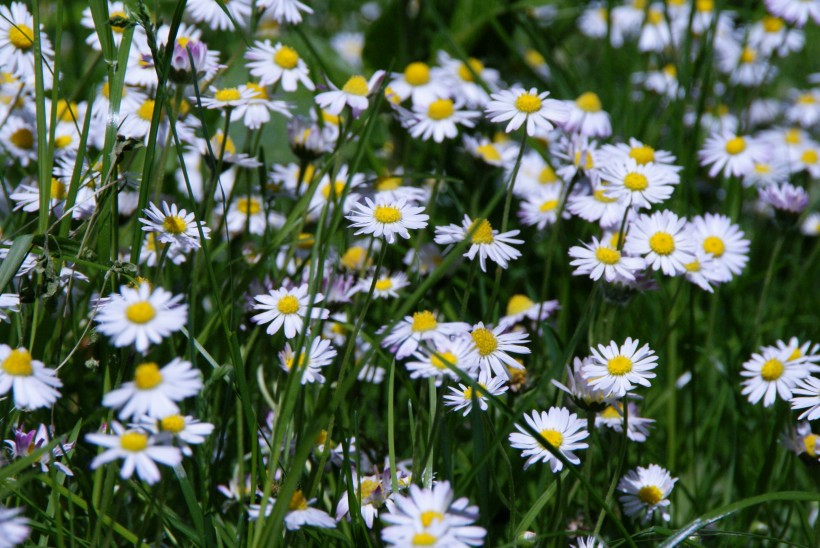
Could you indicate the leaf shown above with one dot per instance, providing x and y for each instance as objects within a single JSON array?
[{"x": 15, "y": 257}]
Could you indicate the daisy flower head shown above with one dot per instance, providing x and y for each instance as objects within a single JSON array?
[
  {"x": 520, "y": 308},
  {"x": 461, "y": 78},
  {"x": 769, "y": 374},
  {"x": 540, "y": 208},
  {"x": 731, "y": 154},
  {"x": 418, "y": 83},
  {"x": 211, "y": 14},
  {"x": 520, "y": 106},
  {"x": 284, "y": 11},
  {"x": 174, "y": 226},
  {"x": 491, "y": 348},
  {"x": 486, "y": 241},
  {"x": 663, "y": 241},
  {"x": 641, "y": 152},
  {"x": 492, "y": 153},
  {"x": 705, "y": 271},
  {"x": 587, "y": 116},
  {"x": 139, "y": 450},
  {"x": 141, "y": 316},
  {"x": 617, "y": 369},
  {"x": 601, "y": 259},
  {"x": 354, "y": 94},
  {"x": 723, "y": 240},
  {"x": 806, "y": 395},
  {"x": 803, "y": 441},
  {"x": 562, "y": 430},
  {"x": 185, "y": 430},
  {"x": 438, "y": 119},
  {"x": 226, "y": 98},
  {"x": 811, "y": 225},
  {"x": 26, "y": 443},
  {"x": 585, "y": 396},
  {"x": 155, "y": 392},
  {"x": 439, "y": 361},
  {"x": 597, "y": 206},
  {"x": 796, "y": 12},
  {"x": 613, "y": 417},
  {"x": 310, "y": 361},
  {"x": 785, "y": 197},
  {"x": 288, "y": 308},
  {"x": 14, "y": 528},
  {"x": 278, "y": 63},
  {"x": 18, "y": 139},
  {"x": 386, "y": 286},
  {"x": 805, "y": 108},
  {"x": 300, "y": 513},
  {"x": 461, "y": 398},
  {"x": 646, "y": 491},
  {"x": 17, "y": 43},
  {"x": 806, "y": 352},
  {"x": 349, "y": 46},
  {"x": 387, "y": 219},
  {"x": 430, "y": 517},
  {"x": 9, "y": 302},
  {"x": 423, "y": 325},
  {"x": 372, "y": 491},
  {"x": 33, "y": 385},
  {"x": 639, "y": 185}
]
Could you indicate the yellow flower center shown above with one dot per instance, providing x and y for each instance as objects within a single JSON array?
[
  {"x": 174, "y": 224},
  {"x": 429, "y": 516},
  {"x": 353, "y": 257},
  {"x": 518, "y": 304},
  {"x": 23, "y": 138},
  {"x": 321, "y": 438},
  {"x": 809, "y": 157},
  {"x": 485, "y": 341},
  {"x": 736, "y": 145},
  {"x": 338, "y": 187},
  {"x": 654, "y": 17},
  {"x": 18, "y": 363},
  {"x": 219, "y": 142},
  {"x": 600, "y": 196},
  {"x": 771, "y": 370},
  {"x": 300, "y": 363},
  {"x": 424, "y": 539},
  {"x": 227, "y": 94},
  {"x": 705, "y": 5},
  {"x": 662, "y": 243},
  {"x": 248, "y": 206},
  {"x": 57, "y": 189},
  {"x": 356, "y": 85},
  {"x": 607, "y": 256},
  {"x": 259, "y": 92},
  {"x": 763, "y": 169},
  {"x": 722, "y": 109},
  {"x": 793, "y": 136},
  {"x": 772, "y": 24},
  {"x": 440, "y": 360},
  {"x": 484, "y": 233},
  {"x": 286, "y": 57},
  {"x": 714, "y": 245},
  {"x": 134, "y": 441},
  {"x": 183, "y": 41},
  {"x": 387, "y": 214},
  {"x": 748, "y": 55},
  {"x": 619, "y": 365},
  {"x": 553, "y": 437},
  {"x": 298, "y": 501},
  {"x": 610, "y": 413},
  {"x": 288, "y": 305},
  {"x": 636, "y": 181},
  {"x": 649, "y": 494},
  {"x": 549, "y": 205},
  {"x": 417, "y": 74},
  {"x": 147, "y": 376},
  {"x": 534, "y": 58},
  {"x": 172, "y": 423},
  {"x": 694, "y": 266},
  {"x": 368, "y": 486},
  {"x": 440, "y": 110},
  {"x": 806, "y": 99},
  {"x": 388, "y": 183},
  {"x": 810, "y": 444},
  {"x": 21, "y": 36},
  {"x": 489, "y": 153},
  {"x": 528, "y": 103},
  {"x": 62, "y": 141},
  {"x": 464, "y": 72},
  {"x": 423, "y": 321},
  {"x": 66, "y": 112},
  {"x": 671, "y": 70},
  {"x": 384, "y": 284},
  {"x": 547, "y": 176},
  {"x": 140, "y": 312},
  {"x": 119, "y": 28},
  {"x": 589, "y": 102},
  {"x": 796, "y": 353},
  {"x": 642, "y": 154}
]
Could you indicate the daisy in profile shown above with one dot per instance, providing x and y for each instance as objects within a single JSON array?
[
  {"x": 430, "y": 517},
  {"x": 785, "y": 197},
  {"x": 354, "y": 94},
  {"x": 811, "y": 225},
  {"x": 372, "y": 491},
  {"x": 141, "y": 316},
  {"x": 185, "y": 430},
  {"x": 288, "y": 308},
  {"x": 583, "y": 395},
  {"x": 731, "y": 154},
  {"x": 300, "y": 513},
  {"x": 492, "y": 153},
  {"x": 562, "y": 430},
  {"x": 174, "y": 226},
  {"x": 461, "y": 398},
  {"x": 587, "y": 117},
  {"x": 663, "y": 241},
  {"x": 520, "y": 106},
  {"x": 387, "y": 219},
  {"x": 769, "y": 374},
  {"x": 155, "y": 392},
  {"x": 255, "y": 111},
  {"x": 723, "y": 240},
  {"x": 639, "y": 185},
  {"x": 613, "y": 417},
  {"x": 601, "y": 259},
  {"x": 491, "y": 349},
  {"x": 540, "y": 208},
  {"x": 438, "y": 119},
  {"x": 26, "y": 443},
  {"x": 521, "y": 308},
  {"x": 139, "y": 451},
  {"x": 641, "y": 152},
  {"x": 14, "y": 528},
  {"x": 279, "y": 63},
  {"x": 225, "y": 98},
  {"x": 646, "y": 491},
  {"x": 616, "y": 370},
  {"x": 440, "y": 361},
  {"x": 212, "y": 15},
  {"x": 284, "y": 11},
  {"x": 704, "y": 271},
  {"x": 423, "y": 325},
  {"x": 417, "y": 84},
  {"x": 805, "y": 352},
  {"x": 806, "y": 395},
  {"x": 32, "y": 384},
  {"x": 387, "y": 286},
  {"x": 310, "y": 361},
  {"x": 486, "y": 242},
  {"x": 803, "y": 441}
]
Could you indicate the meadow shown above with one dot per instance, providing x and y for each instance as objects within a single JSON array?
[{"x": 409, "y": 273}]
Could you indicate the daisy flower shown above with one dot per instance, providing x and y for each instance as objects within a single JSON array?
[
  {"x": 226, "y": 98},
  {"x": 723, "y": 240},
  {"x": 186, "y": 430},
  {"x": 18, "y": 139},
  {"x": 639, "y": 185},
  {"x": 299, "y": 514},
  {"x": 616, "y": 370},
  {"x": 597, "y": 206},
  {"x": 288, "y": 308},
  {"x": 486, "y": 242},
  {"x": 521, "y": 307},
  {"x": 17, "y": 43},
  {"x": 613, "y": 417},
  {"x": 349, "y": 46},
  {"x": 139, "y": 451},
  {"x": 141, "y": 316},
  {"x": 640, "y": 152},
  {"x": 805, "y": 108},
  {"x": 461, "y": 78},
  {"x": 14, "y": 528},
  {"x": 409, "y": 333},
  {"x": 599, "y": 259},
  {"x": 272, "y": 64},
  {"x": 646, "y": 491},
  {"x": 155, "y": 392},
  {"x": 770, "y": 374},
  {"x": 491, "y": 348},
  {"x": 284, "y": 11},
  {"x": 705, "y": 271},
  {"x": 331, "y": 192},
  {"x": 541, "y": 208},
  {"x": 806, "y": 395},
  {"x": 587, "y": 117},
  {"x": 732, "y": 154},
  {"x": 26, "y": 443},
  {"x": 387, "y": 219},
  {"x": 255, "y": 112},
  {"x": 519, "y": 106},
  {"x": 439, "y": 361},
  {"x": 663, "y": 241},
  {"x": 310, "y": 361},
  {"x": 371, "y": 491},
  {"x": 785, "y": 197},
  {"x": 655, "y": 34},
  {"x": 438, "y": 119},
  {"x": 430, "y": 517},
  {"x": 461, "y": 398},
  {"x": 246, "y": 212},
  {"x": 174, "y": 226},
  {"x": 494, "y": 154},
  {"x": 771, "y": 35},
  {"x": 416, "y": 83},
  {"x": 806, "y": 352},
  {"x": 585, "y": 396},
  {"x": 9, "y": 302},
  {"x": 558, "y": 427},
  {"x": 796, "y": 12},
  {"x": 803, "y": 441},
  {"x": 353, "y": 94},
  {"x": 211, "y": 14},
  {"x": 811, "y": 225},
  {"x": 33, "y": 385},
  {"x": 387, "y": 286}
]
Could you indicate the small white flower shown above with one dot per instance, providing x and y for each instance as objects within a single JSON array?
[
  {"x": 598, "y": 259},
  {"x": 299, "y": 513},
  {"x": 284, "y": 11},
  {"x": 387, "y": 286},
  {"x": 519, "y": 106},
  {"x": 540, "y": 208},
  {"x": 186, "y": 430},
  {"x": 646, "y": 491},
  {"x": 560, "y": 428},
  {"x": 288, "y": 308},
  {"x": 491, "y": 349},
  {"x": 417, "y": 83},
  {"x": 32, "y": 383},
  {"x": 616, "y": 370},
  {"x": 438, "y": 119},
  {"x": 639, "y": 185},
  {"x": 613, "y": 417},
  {"x": 461, "y": 398},
  {"x": 155, "y": 392},
  {"x": 14, "y": 528},
  {"x": 723, "y": 240},
  {"x": 732, "y": 154},
  {"x": 587, "y": 117},
  {"x": 387, "y": 219},
  {"x": 272, "y": 64},
  {"x": 320, "y": 354},
  {"x": 486, "y": 242},
  {"x": 353, "y": 94},
  {"x": 806, "y": 395},
  {"x": 521, "y": 307},
  {"x": 438, "y": 361},
  {"x": 771, "y": 374},
  {"x": 174, "y": 226},
  {"x": 663, "y": 241},
  {"x": 139, "y": 452},
  {"x": 421, "y": 326}
]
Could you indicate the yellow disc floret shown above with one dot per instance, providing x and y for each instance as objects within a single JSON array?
[
  {"x": 440, "y": 109},
  {"x": 423, "y": 321},
  {"x": 356, "y": 85},
  {"x": 298, "y": 501},
  {"x": 287, "y": 57},
  {"x": 140, "y": 312},
  {"x": 134, "y": 441},
  {"x": 18, "y": 363},
  {"x": 607, "y": 255},
  {"x": 417, "y": 74},
  {"x": 464, "y": 72},
  {"x": 227, "y": 94},
  {"x": 662, "y": 243},
  {"x": 528, "y": 103},
  {"x": 735, "y": 145},
  {"x": 172, "y": 423},
  {"x": 440, "y": 360},
  {"x": 649, "y": 494},
  {"x": 174, "y": 224},
  {"x": 147, "y": 376},
  {"x": 772, "y": 370},
  {"x": 518, "y": 304},
  {"x": 387, "y": 214},
  {"x": 483, "y": 234},
  {"x": 636, "y": 181},
  {"x": 429, "y": 516},
  {"x": 619, "y": 365},
  {"x": 22, "y": 138},
  {"x": 642, "y": 154},
  {"x": 714, "y": 245},
  {"x": 553, "y": 437},
  {"x": 589, "y": 102},
  {"x": 485, "y": 341},
  {"x": 288, "y": 305},
  {"x": 21, "y": 36}
]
